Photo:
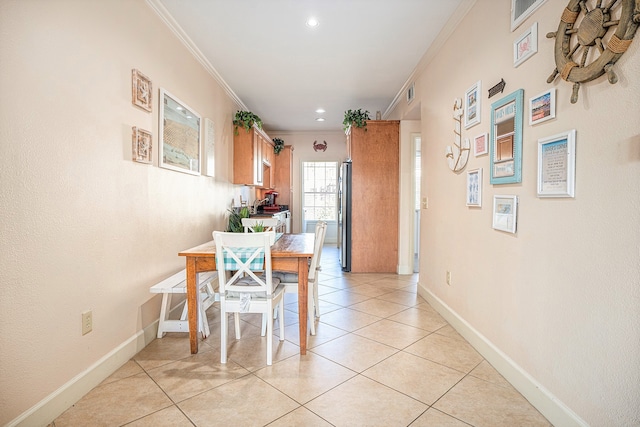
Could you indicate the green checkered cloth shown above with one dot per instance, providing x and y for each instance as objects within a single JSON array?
[{"x": 233, "y": 257}]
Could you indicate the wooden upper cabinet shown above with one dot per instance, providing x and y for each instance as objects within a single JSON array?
[
  {"x": 284, "y": 176},
  {"x": 375, "y": 155},
  {"x": 251, "y": 157}
]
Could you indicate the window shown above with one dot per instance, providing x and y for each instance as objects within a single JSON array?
[{"x": 320, "y": 191}]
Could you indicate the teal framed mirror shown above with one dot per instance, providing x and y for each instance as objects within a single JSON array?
[{"x": 505, "y": 148}]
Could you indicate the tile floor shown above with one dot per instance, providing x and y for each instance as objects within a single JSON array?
[{"x": 381, "y": 357}]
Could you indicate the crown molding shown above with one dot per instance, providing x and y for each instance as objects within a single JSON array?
[
  {"x": 166, "y": 17},
  {"x": 448, "y": 29}
]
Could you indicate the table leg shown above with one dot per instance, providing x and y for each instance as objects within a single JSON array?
[
  {"x": 303, "y": 299},
  {"x": 192, "y": 303}
]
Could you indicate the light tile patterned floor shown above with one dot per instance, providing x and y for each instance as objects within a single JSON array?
[{"x": 381, "y": 357}]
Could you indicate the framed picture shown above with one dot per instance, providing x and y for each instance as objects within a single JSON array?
[
  {"x": 505, "y": 213},
  {"x": 474, "y": 187},
  {"x": 526, "y": 45},
  {"x": 557, "y": 165},
  {"x": 521, "y": 10},
  {"x": 209, "y": 158},
  {"x": 472, "y": 105},
  {"x": 505, "y": 142},
  {"x": 542, "y": 107},
  {"x": 179, "y": 141},
  {"x": 480, "y": 145},
  {"x": 141, "y": 91},
  {"x": 141, "y": 144}
]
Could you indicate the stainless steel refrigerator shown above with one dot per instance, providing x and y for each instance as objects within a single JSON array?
[{"x": 344, "y": 216}]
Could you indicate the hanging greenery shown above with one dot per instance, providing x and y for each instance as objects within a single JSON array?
[
  {"x": 246, "y": 119},
  {"x": 357, "y": 118},
  {"x": 279, "y": 145}
]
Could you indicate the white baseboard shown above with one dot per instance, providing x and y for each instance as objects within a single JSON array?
[
  {"x": 48, "y": 409},
  {"x": 542, "y": 399}
]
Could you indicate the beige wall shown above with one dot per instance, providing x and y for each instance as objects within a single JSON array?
[
  {"x": 559, "y": 300},
  {"x": 303, "y": 151},
  {"x": 82, "y": 226}
]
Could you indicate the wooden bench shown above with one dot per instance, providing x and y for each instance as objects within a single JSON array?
[{"x": 177, "y": 284}]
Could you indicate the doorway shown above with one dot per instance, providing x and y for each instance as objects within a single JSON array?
[
  {"x": 416, "y": 145},
  {"x": 320, "y": 197}
]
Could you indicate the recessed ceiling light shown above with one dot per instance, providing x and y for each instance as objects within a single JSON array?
[
  {"x": 320, "y": 111},
  {"x": 312, "y": 22},
  {"x": 320, "y": 119}
]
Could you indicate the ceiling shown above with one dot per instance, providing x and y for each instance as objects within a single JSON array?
[{"x": 360, "y": 56}]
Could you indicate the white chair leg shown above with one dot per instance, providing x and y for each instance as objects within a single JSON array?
[
  {"x": 236, "y": 321},
  {"x": 269, "y": 337},
  {"x": 315, "y": 300},
  {"x": 223, "y": 335},
  {"x": 265, "y": 319},
  {"x": 281, "y": 322},
  {"x": 311, "y": 310}
]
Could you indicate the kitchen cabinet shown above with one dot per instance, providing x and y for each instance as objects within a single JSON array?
[
  {"x": 375, "y": 156},
  {"x": 251, "y": 161},
  {"x": 284, "y": 176}
]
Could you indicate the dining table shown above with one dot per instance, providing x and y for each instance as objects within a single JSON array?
[{"x": 291, "y": 252}]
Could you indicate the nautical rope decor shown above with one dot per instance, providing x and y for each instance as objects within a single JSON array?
[{"x": 582, "y": 29}]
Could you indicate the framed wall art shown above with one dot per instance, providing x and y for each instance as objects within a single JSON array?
[
  {"x": 472, "y": 105},
  {"x": 542, "y": 107},
  {"x": 521, "y": 10},
  {"x": 505, "y": 213},
  {"x": 526, "y": 45},
  {"x": 179, "y": 140},
  {"x": 474, "y": 188},
  {"x": 141, "y": 90},
  {"x": 480, "y": 144},
  {"x": 142, "y": 145},
  {"x": 209, "y": 158},
  {"x": 557, "y": 165},
  {"x": 505, "y": 142}
]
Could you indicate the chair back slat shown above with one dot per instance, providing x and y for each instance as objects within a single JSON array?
[{"x": 239, "y": 256}]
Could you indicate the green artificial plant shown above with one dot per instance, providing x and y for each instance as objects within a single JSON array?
[
  {"x": 246, "y": 119},
  {"x": 357, "y": 118},
  {"x": 235, "y": 219},
  {"x": 279, "y": 145}
]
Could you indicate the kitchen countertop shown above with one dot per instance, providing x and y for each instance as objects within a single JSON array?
[{"x": 266, "y": 214}]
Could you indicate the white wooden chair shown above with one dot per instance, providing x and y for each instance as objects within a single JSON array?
[
  {"x": 239, "y": 256},
  {"x": 249, "y": 224},
  {"x": 290, "y": 280}
]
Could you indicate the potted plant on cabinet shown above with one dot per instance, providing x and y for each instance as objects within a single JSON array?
[
  {"x": 278, "y": 145},
  {"x": 246, "y": 119},
  {"x": 357, "y": 118}
]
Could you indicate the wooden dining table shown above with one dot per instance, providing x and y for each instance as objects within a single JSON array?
[{"x": 291, "y": 252}]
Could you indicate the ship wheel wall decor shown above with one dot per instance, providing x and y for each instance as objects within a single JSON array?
[{"x": 585, "y": 49}]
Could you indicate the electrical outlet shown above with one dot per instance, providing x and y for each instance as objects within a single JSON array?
[
  {"x": 87, "y": 322},
  {"x": 449, "y": 278},
  {"x": 425, "y": 203}
]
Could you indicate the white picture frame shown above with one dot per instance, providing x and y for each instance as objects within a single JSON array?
[
  {"x": 522, "y": 9},
  {"x": 526, "y": 45},
  {"x": 505, "y": 213},
  {"x": 481, "y": 144},
  {"x": 209, "y": 149},
  {"x": 542, "y": 107},
  {"x": 472, "y": 105},
  {"x": 474, "y": 188},
  {"x": 557, "y": 165},
  {"x": 179, "y": 139}
]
